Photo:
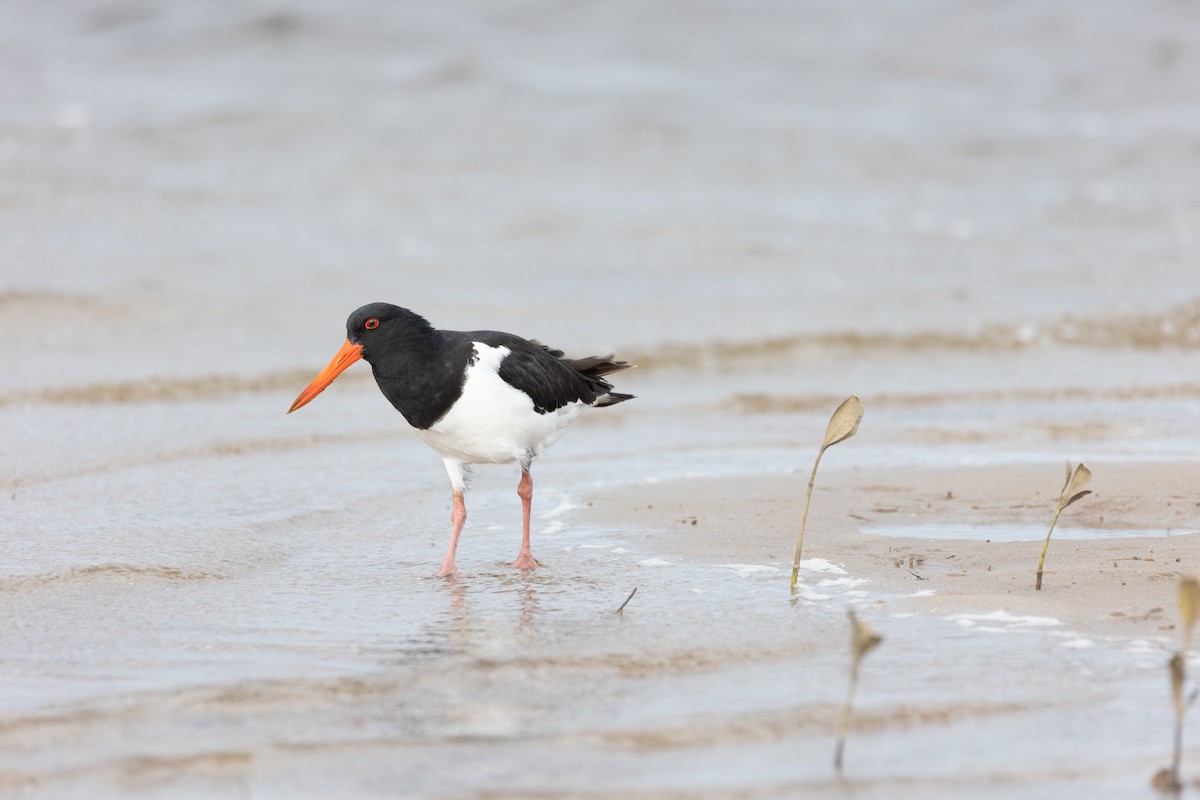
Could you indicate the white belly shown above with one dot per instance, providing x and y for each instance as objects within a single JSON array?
[{"x": 493, "y": 423}]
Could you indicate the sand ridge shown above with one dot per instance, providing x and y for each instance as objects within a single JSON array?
[{"x": 1121, "y": 585}]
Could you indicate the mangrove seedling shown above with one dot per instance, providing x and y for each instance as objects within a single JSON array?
[
  {"x": 862, "y": 641},
  {"x": 1072, "y": 490},
  {"x": 1189, "y": 608},
  {"x": 842, "y": 425}
]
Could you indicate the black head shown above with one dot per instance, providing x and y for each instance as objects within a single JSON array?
[
  {"x": 383, "y": 326},
  {"x": 380, "y": 331}
]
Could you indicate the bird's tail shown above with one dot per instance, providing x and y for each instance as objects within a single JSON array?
[
  {"x": 612, "y": 398},
  {"x": 595, "y": 368}
]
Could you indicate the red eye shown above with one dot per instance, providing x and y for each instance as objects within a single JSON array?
[{"x": 371, "y": 324}]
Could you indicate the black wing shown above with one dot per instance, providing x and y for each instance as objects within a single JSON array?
[{"x": 551, "y": 380}]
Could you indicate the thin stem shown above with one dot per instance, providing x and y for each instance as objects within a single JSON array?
[
  {"x": 1178, "y": 667},
  {"x": 844, "y": 725},
  {"x": 627, "y": 599},
  {"x": 804, "y": 519},
  {"x": 1178, "y": 756},
  {"x": 1046, "y": 546}
]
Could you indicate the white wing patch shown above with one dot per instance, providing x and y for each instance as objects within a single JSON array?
[{"x": 493, "y": 422}]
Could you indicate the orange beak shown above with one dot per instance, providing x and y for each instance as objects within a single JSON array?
[{"x": 344, "y": 358}]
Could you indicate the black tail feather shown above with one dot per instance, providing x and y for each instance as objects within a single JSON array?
[
  {"x": 595, "y": 366},
  {"x": 612, "y": 398},
  {"x": 593, "y": 369}
]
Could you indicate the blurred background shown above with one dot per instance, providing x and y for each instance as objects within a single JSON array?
[{"x": 211, "y": 188}]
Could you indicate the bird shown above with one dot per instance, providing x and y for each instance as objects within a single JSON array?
[{"x": 475, "y": 397}]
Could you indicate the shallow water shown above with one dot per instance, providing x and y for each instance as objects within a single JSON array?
[
  {"x": 1012, "y": 533},
  {"x": 325, "y": 645},
  {"x": 981, "y": 220}
]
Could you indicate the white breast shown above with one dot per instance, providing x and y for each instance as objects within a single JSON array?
[{"x": 492, "y": 422}]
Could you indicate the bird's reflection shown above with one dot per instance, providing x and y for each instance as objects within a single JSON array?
[
  {"x": 528, "y": 597},
  {"x": 458, "y": 612},
  {"x": 463, "y": 620}
]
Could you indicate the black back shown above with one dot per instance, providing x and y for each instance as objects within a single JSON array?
[{"x": 421, "y": 371}]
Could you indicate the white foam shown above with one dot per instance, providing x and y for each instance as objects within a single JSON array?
[
  {"x": 746, "y": 570},
  {"x": 807, "y": 593},
  {"x": 1079, "y": 643},
  {"x": 1010, "y": 621},
  {"x": 923, "y": 593},
  {"x": 847, "y": 582},
  {"x": 821, "y": 565},
  {"x": 564, "y": 505},
  {"x": 654, "y": 562}
]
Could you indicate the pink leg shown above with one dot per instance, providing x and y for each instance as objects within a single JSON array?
[
  {"x": 525, "y": 558},
  {"x": 458, "y": 516}
]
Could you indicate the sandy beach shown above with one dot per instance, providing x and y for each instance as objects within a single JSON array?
[{"x": 1122, "y": 586}]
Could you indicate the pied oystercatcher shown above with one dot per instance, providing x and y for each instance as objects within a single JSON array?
[{"x": 476, "y": 397}]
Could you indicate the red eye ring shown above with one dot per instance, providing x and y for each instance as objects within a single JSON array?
[{"x": 371, "y": 324}]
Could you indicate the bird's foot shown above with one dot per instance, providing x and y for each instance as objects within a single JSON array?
[
  {"x": 448, "y": 570},
  {"x": 526, "y": 561}
]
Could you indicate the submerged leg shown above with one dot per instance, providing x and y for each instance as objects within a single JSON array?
[
  {"x": 525, "y": 558},
  {"x": 458, "y": 517}
]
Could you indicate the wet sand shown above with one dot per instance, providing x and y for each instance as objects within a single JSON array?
[
  {"x": 240, "y": 621},
  {"x": 1123, "y": 586}
]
